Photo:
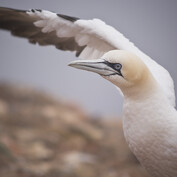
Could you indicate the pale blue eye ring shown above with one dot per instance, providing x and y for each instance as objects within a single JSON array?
[{"x": 117, "y": 66}]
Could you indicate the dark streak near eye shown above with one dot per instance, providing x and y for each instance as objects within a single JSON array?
[{"x": 112, "y": 66}]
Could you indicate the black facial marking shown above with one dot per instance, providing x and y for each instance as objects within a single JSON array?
[{"x": 116, "y": 66}]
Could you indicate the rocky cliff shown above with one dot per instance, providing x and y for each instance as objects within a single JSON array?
[{"x": 42, "y": 136}]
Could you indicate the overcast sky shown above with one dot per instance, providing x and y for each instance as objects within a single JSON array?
[{"x": 151, "y": 25}]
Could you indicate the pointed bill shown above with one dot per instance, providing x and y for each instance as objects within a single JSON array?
[{"x": 98, "y": 66}]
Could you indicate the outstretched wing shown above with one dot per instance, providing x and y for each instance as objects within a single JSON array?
[
  {"x": 32, "y": 24},
  {"x": 64, "y": 32},
  {"x": 89, "y": 39}
]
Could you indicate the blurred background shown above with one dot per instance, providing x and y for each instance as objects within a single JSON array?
[
  {"x": 61, "y": 122},
  {"x": 151, "y": 25}
]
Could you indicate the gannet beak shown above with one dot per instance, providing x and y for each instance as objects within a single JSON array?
[{"x": 99, "y": 66}]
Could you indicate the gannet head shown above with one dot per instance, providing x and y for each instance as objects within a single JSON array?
[{"x": 124, "y": 69}]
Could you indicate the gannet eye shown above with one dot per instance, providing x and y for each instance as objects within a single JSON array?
[{"x": 117, "y": 66}]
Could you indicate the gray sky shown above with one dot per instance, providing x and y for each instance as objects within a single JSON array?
[{"x": 151, "y": 25}]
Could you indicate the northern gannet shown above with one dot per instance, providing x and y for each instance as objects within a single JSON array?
[
  {"x": 149, "y": 117},
  {"x": 149, "y": 121}
]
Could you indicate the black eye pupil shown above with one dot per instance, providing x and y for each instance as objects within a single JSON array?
[{"x": 117, "y": 66}]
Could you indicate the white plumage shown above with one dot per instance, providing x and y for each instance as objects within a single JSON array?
[
  {"x": 149, "y": 121},
  {"x": 91, "y": 39}
]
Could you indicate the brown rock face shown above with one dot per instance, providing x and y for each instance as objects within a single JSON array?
[{"x": 41, "y": 136}]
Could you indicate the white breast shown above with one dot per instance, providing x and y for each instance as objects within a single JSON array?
[{"x": 150, "y": 128}]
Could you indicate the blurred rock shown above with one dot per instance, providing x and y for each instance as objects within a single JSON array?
[{"x": 42, "y": 136}]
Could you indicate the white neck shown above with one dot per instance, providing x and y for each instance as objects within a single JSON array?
[{"x": 148, "y": 122}]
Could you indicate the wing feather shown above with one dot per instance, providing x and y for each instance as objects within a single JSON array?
[{"x": 22, "y": 23}]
